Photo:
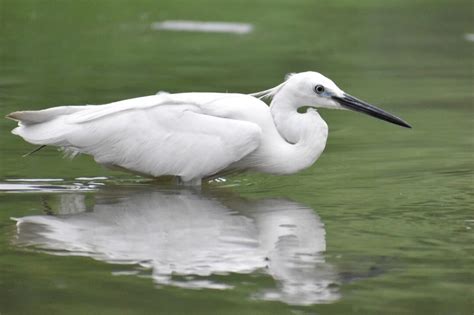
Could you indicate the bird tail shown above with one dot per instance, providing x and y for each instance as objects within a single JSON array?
[
  {"x": 29, "y": 117},
  {"x": 43, "y": 127}
]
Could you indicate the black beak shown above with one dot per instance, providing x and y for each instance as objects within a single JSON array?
[{"x": 357, "y": 105}]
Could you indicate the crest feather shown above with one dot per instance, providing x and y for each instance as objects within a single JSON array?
[{"x": 268, "y": 94}]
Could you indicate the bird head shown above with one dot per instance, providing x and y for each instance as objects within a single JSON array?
[{"x": 315, "y": 90}]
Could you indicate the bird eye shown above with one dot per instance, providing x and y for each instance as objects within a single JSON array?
[{"x": 319, "y": 89}]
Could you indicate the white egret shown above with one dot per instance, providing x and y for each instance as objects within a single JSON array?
[{"x": 200, "y": 135}]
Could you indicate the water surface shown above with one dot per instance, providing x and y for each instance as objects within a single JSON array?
[{"x": 381, "y": 224}]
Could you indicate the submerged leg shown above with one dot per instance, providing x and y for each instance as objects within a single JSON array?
[{"x": 192, "y": 182}]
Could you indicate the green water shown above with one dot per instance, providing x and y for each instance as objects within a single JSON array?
[{"x": 381, "y": 224}]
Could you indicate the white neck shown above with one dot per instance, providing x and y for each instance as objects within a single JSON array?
[{"x": 303, "y": 136}]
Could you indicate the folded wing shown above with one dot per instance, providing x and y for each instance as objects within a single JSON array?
[{"x": 154, "y": 137}]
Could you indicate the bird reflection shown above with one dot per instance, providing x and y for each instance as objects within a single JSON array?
[{"x": 185, "y": 237}]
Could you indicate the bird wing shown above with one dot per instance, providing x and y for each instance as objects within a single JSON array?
[{"x": 152, "y": 135}]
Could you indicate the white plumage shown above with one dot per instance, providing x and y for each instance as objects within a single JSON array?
[{"x": 198, "y": 135}]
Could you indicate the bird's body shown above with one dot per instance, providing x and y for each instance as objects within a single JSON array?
[{"x": 191, "y": 135}]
